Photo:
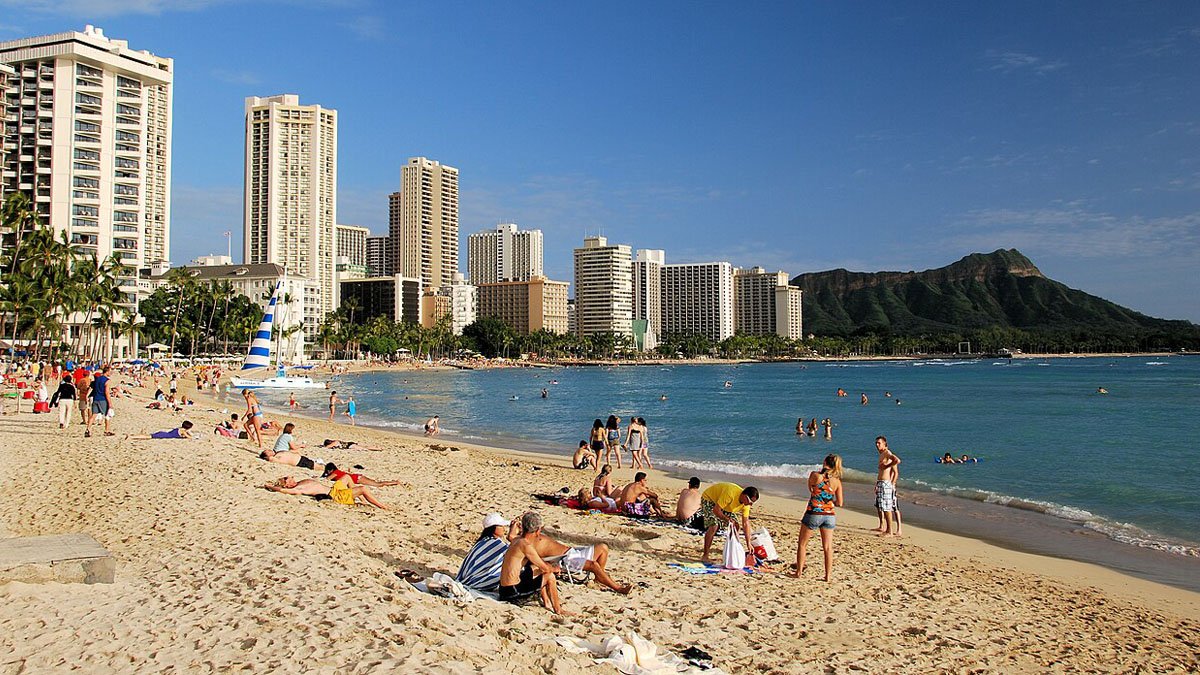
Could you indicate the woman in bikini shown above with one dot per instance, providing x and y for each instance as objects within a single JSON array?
[
  {"x": 825, "y": 488},
  {"x": 602, "y": 488},
  {"x": 612, "y": 438},
  {"x": 253, "y": 416},
  {"x": 596, "y": 438}
]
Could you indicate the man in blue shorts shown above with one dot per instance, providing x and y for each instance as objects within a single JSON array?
[{"x": 101, "y": 405}]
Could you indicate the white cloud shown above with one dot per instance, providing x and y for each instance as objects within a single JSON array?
[
  {"x": 1013, "y": 61},
  {"x": 366, "y": 27},
  {"x": 1071, "y": 230}
]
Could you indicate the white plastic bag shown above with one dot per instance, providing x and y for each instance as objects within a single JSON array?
[
  {"x": 735, "y": 552},
  {"x": 761, "y": 538}
]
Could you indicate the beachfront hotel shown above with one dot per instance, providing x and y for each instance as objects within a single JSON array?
[
  {"x": 697, "y": 299},
  {"x": 377, "y": 255},
  {"x": 456, "y": 303},
  {"x": 504, "y": 254},
  {"x": 352, "y": 243},
  {"x": 291, "y": 196},
  {"x": 647, "y": 297},
  {"x": 87, "y": 137},
  {"x": 603, "y": 288},
  {"x": 395, "y": 297},
  {"x": 526, "y": 306},
  {"x": 423, "y": 223},
  {"x": 765, "y": 303}
]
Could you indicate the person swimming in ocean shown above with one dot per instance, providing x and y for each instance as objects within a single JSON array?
[{"x": 1101, "y": 390}]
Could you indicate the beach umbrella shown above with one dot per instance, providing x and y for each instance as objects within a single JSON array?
[{"x": 157, "y": 347}]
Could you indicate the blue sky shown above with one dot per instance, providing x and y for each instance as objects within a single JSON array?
[{"x": 797, "y": 136}]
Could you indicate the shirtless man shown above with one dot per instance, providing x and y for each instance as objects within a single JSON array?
[
  {"x": 639, "y": 500},
  {"x": 577, "y": 560},
  {"x": 885, "y": 490},
  {"x": 517, "y": 578},
  {"x": 688, "y": 504},
  {"x": 433, "y": 426},
  {"x": 583, "y": 457}
]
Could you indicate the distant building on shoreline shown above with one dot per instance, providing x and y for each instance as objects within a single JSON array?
[
  {"x": 423, "y": 223},
  {"x": 352, "y": 243},
  {"x": 603, "y": 288},
  {"x": 377, "y": 256},
  {"x": 504, "y": 254},
  {"x": 291, "y": 196},
  {"x": 697, "y": 299},
  {"x": 647, "y": 297},
  {"x": 765, "y": 304},
  {"x": 527, "y": 306}
]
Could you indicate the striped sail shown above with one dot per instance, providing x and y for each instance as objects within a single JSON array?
[{"x": 260, "y": 347}]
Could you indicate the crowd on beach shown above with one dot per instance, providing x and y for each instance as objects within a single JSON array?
[{"x": 514, "y": 559}]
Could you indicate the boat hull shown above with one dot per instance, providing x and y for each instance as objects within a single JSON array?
[{"x": 298, "y": 382}]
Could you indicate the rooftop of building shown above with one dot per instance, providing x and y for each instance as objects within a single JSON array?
[{"x": 95, "y": 38}]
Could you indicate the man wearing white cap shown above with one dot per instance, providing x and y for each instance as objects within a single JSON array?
[{"x": 481, "y": 568}]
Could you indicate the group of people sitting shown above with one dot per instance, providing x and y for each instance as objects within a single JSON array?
[{"x": 518, "y": 561}]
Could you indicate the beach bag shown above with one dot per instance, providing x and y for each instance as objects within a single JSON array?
[
  {"x": 735, "y": 552},
  {"x": 764, "y": 546}
]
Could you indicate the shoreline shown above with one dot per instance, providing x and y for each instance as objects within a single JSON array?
[
  {"x": 996, "y": 525},
  {"x": 214, "y": 573}
]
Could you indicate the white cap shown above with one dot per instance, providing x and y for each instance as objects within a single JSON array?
[{"x": 494, "y": 519}]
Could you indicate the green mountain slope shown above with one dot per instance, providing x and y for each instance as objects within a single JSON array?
[{"x": 1003, "y": 288}]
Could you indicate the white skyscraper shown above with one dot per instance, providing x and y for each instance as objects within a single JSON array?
[
  {"x": 291, "y": 195},
  {"x": 504, "y": 254},
  {"x": 697, "y": 299},
  {"x": 603, "y": 288},
  {"x": 423, "y": 223},
  {"x": 87, "y": 137},
  {"x": 647, "y": 294}
]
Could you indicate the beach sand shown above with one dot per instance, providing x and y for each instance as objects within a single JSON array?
[{"x": 216, "y": 574}]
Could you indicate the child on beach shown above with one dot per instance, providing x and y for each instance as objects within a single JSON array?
[
  {"x": 825, "y": 488},
  {"x": 351, "y": 409}
]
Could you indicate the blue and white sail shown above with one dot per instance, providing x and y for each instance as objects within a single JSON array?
[{"x": 259, "y": 355}]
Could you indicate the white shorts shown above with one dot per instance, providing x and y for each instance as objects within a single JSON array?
[{"x": 575, "y": 558}]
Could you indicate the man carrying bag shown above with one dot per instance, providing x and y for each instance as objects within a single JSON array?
[{"x": 718, "y": 506}]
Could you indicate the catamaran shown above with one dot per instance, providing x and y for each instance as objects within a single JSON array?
[{"x": 259, "y": 356}]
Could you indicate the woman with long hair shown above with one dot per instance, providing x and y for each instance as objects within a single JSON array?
[
  {"x": 612, "y": 438},
  {"x": 596, "y": 439},
  {"x": 642, "y": 447},
  {"x": 633, "y": 441},
  {"x": 825, "y": 488}
]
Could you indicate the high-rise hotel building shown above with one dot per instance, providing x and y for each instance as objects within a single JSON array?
[
  {"x": 603, "y": 288},
  {"x": 291, "y": 196},
  {"x": 765, "y": 303},
  {"x": 87, "y": 137},
  {"x": 423, "y": 223},
  {"x": 504, "y": 254},
  {"x": 697, "y": 299},
  {"x": 647, "y": 297},
  {"x": 352, "y": 243},
  {"x": 377, "y": 255}
]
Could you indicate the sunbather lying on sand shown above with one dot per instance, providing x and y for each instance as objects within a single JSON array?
[
  {"x": 589, "y": 501},
  {"x": 346, "y": 492},
  {"x": 333, "y": 473},
  {"x": 333, "y": 444},
  {"x": 289, "y": 458},
  {"x": 290, "y": 486},
  {"x": 342, "y": 491},
  {"x": 182, "y": 431}
]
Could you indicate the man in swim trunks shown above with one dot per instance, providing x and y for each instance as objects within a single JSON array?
[
  {"x": 719, "y": 504},
  {"x": 433, "y": 426},
  {"x": 885, "y": 490},
  {"x": 518, "y": 580},
  {"x": 101, "y": 405},
  {"x": 638, "y": 500},
  {"x": 583, "y": 458}
]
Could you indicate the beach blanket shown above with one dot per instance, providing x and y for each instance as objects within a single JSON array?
[
  {"x": 634, "y": 656},
  {"x": 445, "y": 586},
  {"x": 708, "y": 568}
]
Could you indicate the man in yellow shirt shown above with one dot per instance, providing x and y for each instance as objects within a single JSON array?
[{"x": 719, "y": 504}]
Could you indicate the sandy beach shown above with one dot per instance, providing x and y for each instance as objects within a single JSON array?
[{"x": 215, "y": 573}]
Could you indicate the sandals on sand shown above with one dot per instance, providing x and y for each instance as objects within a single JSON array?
[{"x": 409, "y": 576}]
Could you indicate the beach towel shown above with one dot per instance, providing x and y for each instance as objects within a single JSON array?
[
  {"x": 709, "y": 568},
  {"x": 444, "y": 586},
  {"x": 634, "y": 655}
]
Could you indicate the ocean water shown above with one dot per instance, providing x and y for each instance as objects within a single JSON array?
[{"x": 1123, "y": 465}]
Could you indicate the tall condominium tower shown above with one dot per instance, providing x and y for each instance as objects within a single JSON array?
[
  {"x": 647, "y": 295},
  {"x": 291, "y": 195},
  {"x": 88, "y": 140},
  {"x": 352, "y": 243},
  {"x": 423, "y": 223},
  {"x": 697, "y": 299},
  {"x": 764, "y": 303},
  {"x": 377, "y": 255},
  {"x": 603, "y": 288},
  {"x": 504, "y": 254}
]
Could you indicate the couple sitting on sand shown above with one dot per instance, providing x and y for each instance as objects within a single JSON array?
[
  {"x": 518, "y": 562},
  {"x": 635, "y": 499}
]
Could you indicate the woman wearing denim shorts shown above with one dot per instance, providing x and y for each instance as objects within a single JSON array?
[{"x": 825, "y": 486}]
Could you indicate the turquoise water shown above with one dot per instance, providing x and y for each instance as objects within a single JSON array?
[{"x": 1122, "y": 464}]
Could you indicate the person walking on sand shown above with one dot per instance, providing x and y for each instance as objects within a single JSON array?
[
  {"x": 612, "y": 438},
  {"x": 253, "y": 417},
  {"x": 64, "y": 398},
  {"x": 885, "y": 488},
  {"x": 825, "y": 490},
  {"x": 101, "y": 405},
  {"x": 333, "y": 401},
  {"x": 351, "y": 409},
  {"x": 596, "y": 439},
  {"x": 718, "y": 506},
  {"x": 633, "y": 441}
]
